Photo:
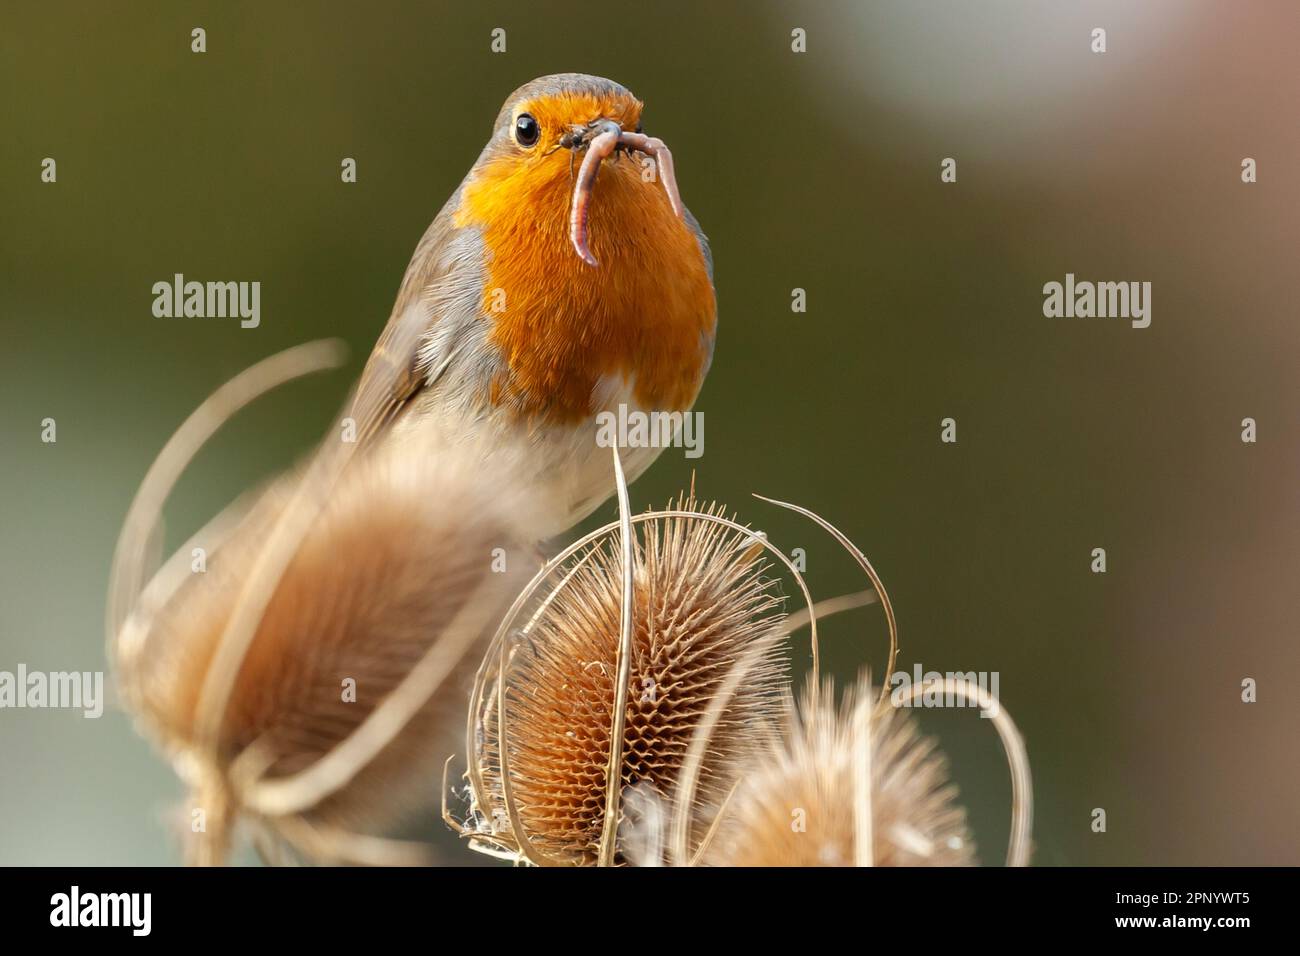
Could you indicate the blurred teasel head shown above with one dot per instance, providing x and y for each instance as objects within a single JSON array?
[
  {"x": 850, "y": 785},
  {"x": 309, "y": 681}
]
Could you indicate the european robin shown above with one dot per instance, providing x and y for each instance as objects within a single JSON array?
[{"x": 536, "y": 301}]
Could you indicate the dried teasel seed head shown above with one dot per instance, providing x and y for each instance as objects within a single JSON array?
[
  {"x": 406, "y": 563},
  {"x": 701, "y": 596},
  {"x": 802, "y": 802}
]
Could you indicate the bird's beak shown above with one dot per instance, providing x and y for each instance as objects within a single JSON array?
[{"x": 600, "y": 138}]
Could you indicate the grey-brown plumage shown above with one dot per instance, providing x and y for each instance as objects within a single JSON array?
[{"x": 500, "y": 327}]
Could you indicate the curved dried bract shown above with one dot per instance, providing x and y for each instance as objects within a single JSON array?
[
  {"x": 876, "y": 583},
  {"x": 700, "y": 597},
  {"x": 130, "y": 570},
  {"x": 863, "y": 752},
  {"x": 1019, "y": 844},
  {"x": 807, "y": 800},
  {"x": 355, "y": 679}
]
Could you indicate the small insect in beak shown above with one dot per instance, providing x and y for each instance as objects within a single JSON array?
[{"x": 601, "y": 138}]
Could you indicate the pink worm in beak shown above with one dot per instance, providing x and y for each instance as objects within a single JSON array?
[{"x": 598, "y": 149}]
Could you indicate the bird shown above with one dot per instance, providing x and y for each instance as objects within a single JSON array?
[{"x": 536, "y": 301}]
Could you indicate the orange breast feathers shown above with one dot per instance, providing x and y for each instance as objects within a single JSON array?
[{"x": 647, "y": 313}]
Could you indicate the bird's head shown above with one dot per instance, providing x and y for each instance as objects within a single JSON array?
[
  {"x": 591, "y": 290},
  {"x": 549, "y": 141}
]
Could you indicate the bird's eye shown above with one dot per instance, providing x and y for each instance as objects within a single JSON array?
[{"x": 526, "y": 130}]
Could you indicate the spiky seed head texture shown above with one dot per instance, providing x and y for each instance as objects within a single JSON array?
[
  {"x": 701, "y": 597},
  {"x": 402, "y": 543},
  {"x": 795, "y": 805}
]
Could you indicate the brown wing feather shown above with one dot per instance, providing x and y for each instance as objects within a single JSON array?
[{"x": 394, "y": 373}]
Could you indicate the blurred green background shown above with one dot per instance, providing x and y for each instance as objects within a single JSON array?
[{"x": 817, "y": 170}]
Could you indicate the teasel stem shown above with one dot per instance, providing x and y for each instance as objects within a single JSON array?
[
  {"x": 623, "y": 661},
  {"x": 863, "y": 848},
  {"x": 210, "y": 846}
]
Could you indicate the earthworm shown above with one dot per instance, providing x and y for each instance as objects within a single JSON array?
[{"x": 600, "y": 147}]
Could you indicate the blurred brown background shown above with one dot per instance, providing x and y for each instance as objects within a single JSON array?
[{"x": 818, "y": 171}]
